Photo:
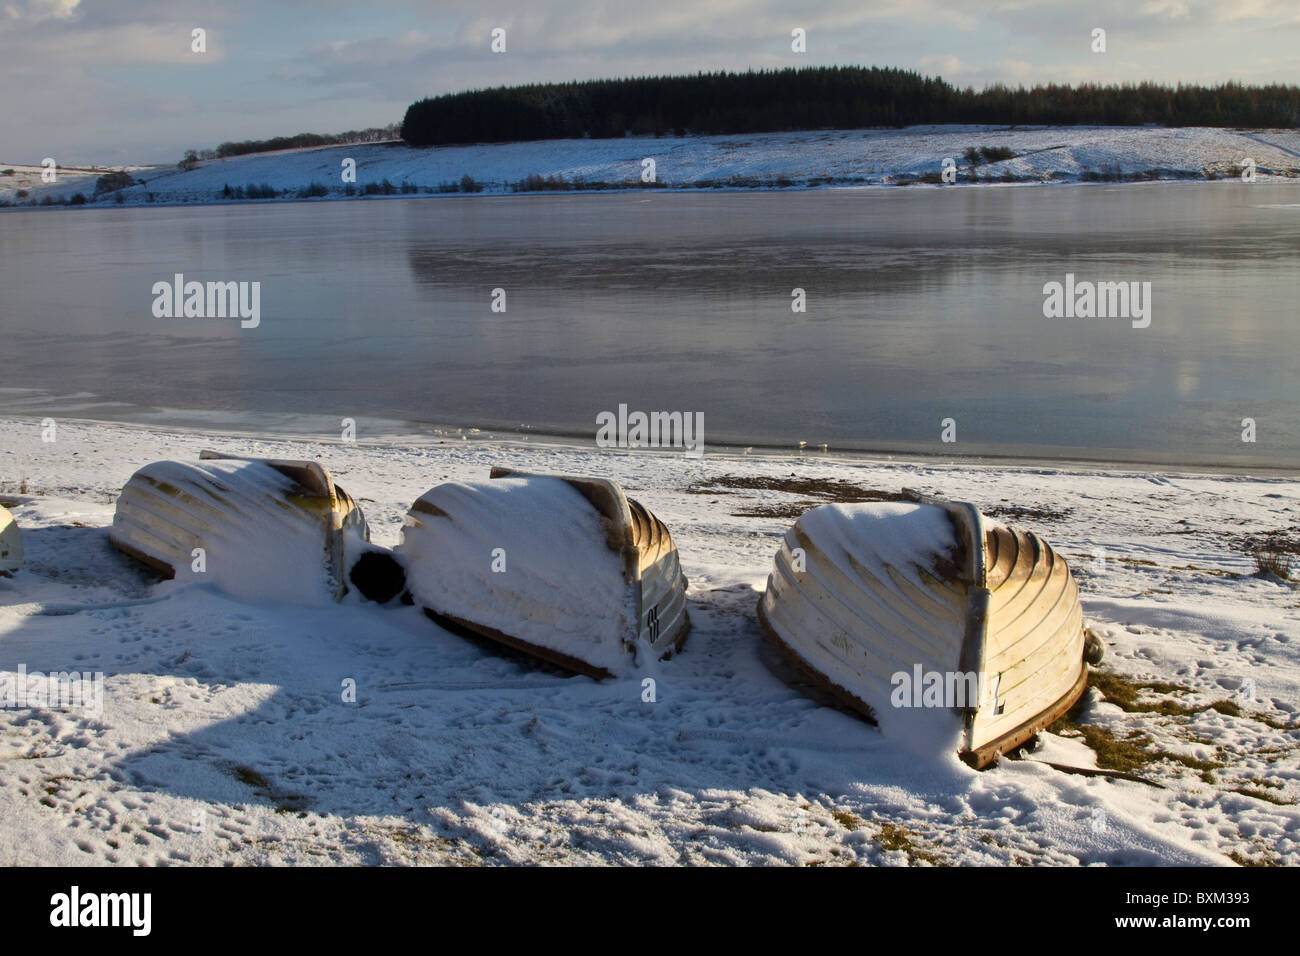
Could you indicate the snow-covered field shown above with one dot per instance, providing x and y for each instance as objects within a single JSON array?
[
  {"x": 224, "y": 737},
  {"x": 765, "y": 160}
]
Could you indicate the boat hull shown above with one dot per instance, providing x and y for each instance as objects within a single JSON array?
[
  {"x": 257, "y": 528},
  {"x": 861, "y": 598},
  {"x": 567, "y": 569},
  {"x": 11, "y": 544}
]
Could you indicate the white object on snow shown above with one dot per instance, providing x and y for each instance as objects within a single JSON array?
[
  {"x": 258, "y": 529},
  {"x": 568, "y": 569},
  {"x": 11, "y": 544},
  {"x": 945, "y": 628}
]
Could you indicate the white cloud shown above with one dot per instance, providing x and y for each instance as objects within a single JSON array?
[
  {"x": 1166, "y": 9},
  {"x": 107, "y": 78},
  {"x": 34, "y": 11},
  {"x": 943, "y": 64}
]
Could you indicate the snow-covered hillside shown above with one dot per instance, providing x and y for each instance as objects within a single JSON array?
[
  {"x": 764, "y": 160},
  {"x": 224, "y": 736}
]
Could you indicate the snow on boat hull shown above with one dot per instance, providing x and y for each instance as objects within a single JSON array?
[
  {"x": 268, "y": 528},
  {"x": 567, "y": 569},
  {"x": 11, "y": 544},
  {"x": 872, "y": 600}
]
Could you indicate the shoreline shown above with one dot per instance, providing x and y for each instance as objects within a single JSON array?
[
  {"x": 784, "y": 162},
  {"x": 432, "y": 436},
  {"x": 627, "y": 190}
]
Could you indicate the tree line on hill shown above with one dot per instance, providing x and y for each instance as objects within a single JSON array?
[
  {"x": 375, "y": 134},
  {"x": 843, "y": 97}
]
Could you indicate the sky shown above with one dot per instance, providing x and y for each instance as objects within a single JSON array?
[{"x": 88, "y": 81}]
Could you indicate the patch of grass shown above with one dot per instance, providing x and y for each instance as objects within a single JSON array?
[
  {"x": 1135, "y": 751},
  {"x": 1124, "y": 693},
  {"x": 1035, "y": 514},
  {"x": 822, "y": 490},
  {"x": 1127, "y": 754},
  {"x": 1243, "y": 860},
  {"x": 1285, "y": 540},
  {"x": 413, "y": 838},
  {"x": 846, "y": 819},
  {"x": 250, "y": 777},
  {"x": 827, "y": 489},
  {"x": 281, "y": 801},
  {"x": 1225, "y": 707},
  {"x": 792, "y": 510},
  {"x": 1115, "y": 754},
  {"x": 1193, "y": 763},
  {"x": 987, "y": 154},
  {"x": 1273, "y": 562},
  {"x": 1269, "y": 721},
  {"x": 892, "y": 837},
  {"x": 1217, "y": 572},
  {"x": 1261, "y": 795}
]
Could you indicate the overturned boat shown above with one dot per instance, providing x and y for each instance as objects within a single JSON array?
[
  {"x": 11, "y": 544},
  {"x": 257, "y": 528},
  {"x": 926, "y": 603},
  {"x": 568, "y": 569}
]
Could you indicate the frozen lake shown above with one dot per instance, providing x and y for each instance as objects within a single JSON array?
[{"x": 923, "y": 304}]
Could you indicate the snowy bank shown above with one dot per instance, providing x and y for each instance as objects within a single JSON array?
[
  {"x": 228, "y": 733},
  {"x": 760, "y": 160}
]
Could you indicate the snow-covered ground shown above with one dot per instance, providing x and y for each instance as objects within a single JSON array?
[
  {"x": 224, "y": 735},
  {"x": 765, "y": 160}
]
